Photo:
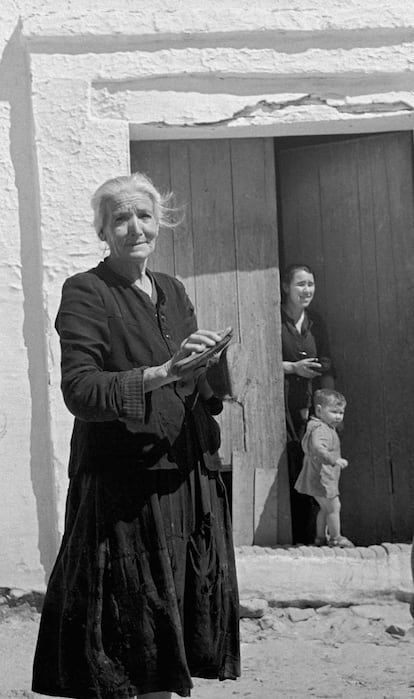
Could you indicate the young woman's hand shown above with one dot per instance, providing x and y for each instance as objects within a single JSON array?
[
  {"x": 343, "y": 463},
  {"x": 308, "y": 368}
]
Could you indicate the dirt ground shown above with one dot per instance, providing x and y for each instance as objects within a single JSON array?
[{"x": 289, "y": 653}]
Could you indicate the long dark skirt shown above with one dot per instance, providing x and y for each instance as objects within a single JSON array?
[
  {"x": 143, "y": 595},
  {"x": 303, "y": 508}
]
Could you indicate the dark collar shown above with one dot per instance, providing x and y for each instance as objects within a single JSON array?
[
  {"x": 307, "y": 321},
  {"x": 106, "y": 272}
]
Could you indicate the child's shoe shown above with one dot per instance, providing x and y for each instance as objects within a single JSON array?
[
  {"x": 320, "y": 541},
  {"x": 342, "y": 542}
]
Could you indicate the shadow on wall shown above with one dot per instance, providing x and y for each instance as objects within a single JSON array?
[{"x": 15, "y": 88}]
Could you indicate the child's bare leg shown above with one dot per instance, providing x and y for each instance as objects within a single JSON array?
[
  {"x": 321, "y": 524},
  {"x": 332, "y": 510},
  {"x": 333, "y": 519}
]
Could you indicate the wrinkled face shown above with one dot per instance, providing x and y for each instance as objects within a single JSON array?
[
  {"x": 131, "y": 228},
  {"x": 301, "y": 289},
  {"x": 331, "y": 414}
]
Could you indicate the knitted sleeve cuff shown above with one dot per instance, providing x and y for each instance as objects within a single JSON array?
[{"x": 133, "y": 396}]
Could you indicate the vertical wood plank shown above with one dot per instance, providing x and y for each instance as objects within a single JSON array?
[
  {"x": 243, "y": 500},
  {"x": 284, "y": 517},
  {"x": 265, "y": 507},
  {"x": 215, "y": 260},
  {"x": 232, "y": 422},
  {"x": 255, "y": 225},
  {"x": 153, "y": 159},
  {"x": 212, "y": 214},
  {"x": 394, "y": 216},
  {"x": 369, "y": 391},
  {"x": 258, "y": 296},
  {"x": 301, "y": 237},
  {"x": 183, "y": 233}
]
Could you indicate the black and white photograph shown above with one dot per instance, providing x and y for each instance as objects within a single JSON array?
[{"x": 207, "y": 349}]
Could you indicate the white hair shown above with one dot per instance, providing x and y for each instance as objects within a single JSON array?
[{"x": 107, "y": 193}]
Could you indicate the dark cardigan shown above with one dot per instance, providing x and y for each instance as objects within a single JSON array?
[{"x": 109, "y": 332}]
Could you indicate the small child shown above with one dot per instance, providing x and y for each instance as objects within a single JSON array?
[{"x": 322, "y": 465}]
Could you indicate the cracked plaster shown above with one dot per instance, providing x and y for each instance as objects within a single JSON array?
[{"x": 191, "y": 109}]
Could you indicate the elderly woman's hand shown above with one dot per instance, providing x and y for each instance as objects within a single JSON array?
[
  {"x": 157, "y": 376},
  {"x": 309, "y": 368},
  {"x": 198, "y": 341}
]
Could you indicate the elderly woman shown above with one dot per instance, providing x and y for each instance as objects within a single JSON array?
[
  {"x": 307, "y": 365},
  {"x": 143, "y": 595}
]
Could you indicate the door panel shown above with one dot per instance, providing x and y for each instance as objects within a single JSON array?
[
  {"x": 154, "y": 159},
  {"x": 226, "y": 252},
  {"x": 346, "y": 209}
]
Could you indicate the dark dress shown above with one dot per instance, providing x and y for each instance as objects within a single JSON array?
[
  {"x": 143, "y": 594},
  {"x": 312, "y": 341}
]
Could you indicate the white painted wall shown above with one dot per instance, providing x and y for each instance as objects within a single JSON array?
[
  {"x": 22, "y": 366},
  {"x": 77, "y": 80}
]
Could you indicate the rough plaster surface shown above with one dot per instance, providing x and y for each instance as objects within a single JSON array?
[
  {"x": 19, "y": 560},
  {"x": 172, "y": 62},
  {"x": 75, "y": 154},
  {"x": 222, "y": 16},
  {"x": 76, "y": 82},
  {"x": 239, "y": 87}
]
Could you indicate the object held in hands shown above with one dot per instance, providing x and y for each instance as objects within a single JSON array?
[
  {"x": 197, "y": 360},
  {"x": 326, "y": 365}
]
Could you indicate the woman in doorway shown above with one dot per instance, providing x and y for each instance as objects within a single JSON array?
[
  {"x": 143, "y": 595},
  {"x": 307, "y": 365}
]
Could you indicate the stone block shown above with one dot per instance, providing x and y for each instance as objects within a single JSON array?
[
  {"x": 368, "y": 611},
  {"x": 253, "y": 608},
  {"x": 324, "y": 610},
  {"x": 395, "y": 630},
  {"x": 296, "y": 614}
]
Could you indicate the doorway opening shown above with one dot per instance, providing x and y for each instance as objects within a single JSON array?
[{"x": 345, "y": 207}]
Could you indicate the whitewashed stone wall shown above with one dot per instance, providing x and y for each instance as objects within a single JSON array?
[{"x": 78, "y": 79}]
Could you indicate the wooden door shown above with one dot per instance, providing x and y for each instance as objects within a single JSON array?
[
  {"x": 226, "y": 253},
  {"x": 346, "y": 208}
]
